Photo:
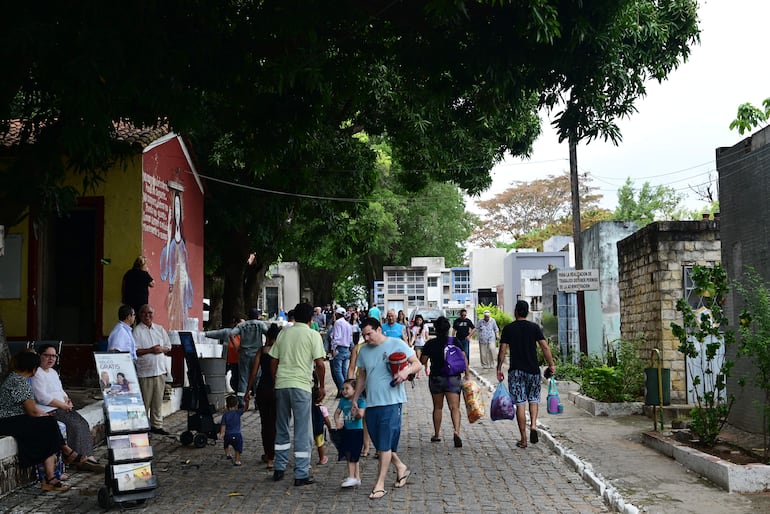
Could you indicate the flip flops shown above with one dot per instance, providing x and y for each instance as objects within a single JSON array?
[
  {"x": 435, "y": 439},
  {"x": 521, "y": 445},
  {"x": 533, "y": 436},
  {"x": 377, "y": 494},
  {"x": 401, "y": 481}
]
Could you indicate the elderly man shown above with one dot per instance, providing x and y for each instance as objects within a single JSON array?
[
  {"x": 488, "y": 333},
  {"x": 121, "y": 338},
  {"x": 296, "y": 352},
  {"x": 341, "y": 340},
  {"x": 152, "y": 345},
  {"x": 393, "y": 329}
]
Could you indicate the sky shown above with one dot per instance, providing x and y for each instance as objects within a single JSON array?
[{"x": 680, "y": 123}]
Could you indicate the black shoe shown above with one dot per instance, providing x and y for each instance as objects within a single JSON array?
[
  {"x": 458, "y": 441},
  {"x": 277, "y": 475},
  {"x": 159, "y": 431},
  {"x": 304, "y": 481},
  {"x": 533, "y": 436}
]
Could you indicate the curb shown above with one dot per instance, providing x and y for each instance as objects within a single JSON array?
[{"x": 611, "y": 496}]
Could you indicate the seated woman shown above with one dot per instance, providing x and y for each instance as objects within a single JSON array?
[
  {"x": 51, "y": 399},
  {"x": 37, "y": 434}
]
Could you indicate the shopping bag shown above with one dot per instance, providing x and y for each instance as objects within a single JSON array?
[
  {"x": 502, "y": 404},
  {"x": 474, "y": 403},
  {"x": 553, "y": 400}
]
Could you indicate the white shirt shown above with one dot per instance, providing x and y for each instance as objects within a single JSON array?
[
  {"x": 46, "y": 386},
  {"x": 122, "y": 340},
  {"x": 151, "y": 364}
]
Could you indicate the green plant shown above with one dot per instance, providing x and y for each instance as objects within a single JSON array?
[
  {"x": 755, "y": 339},
  {"x": 501, "y": 318},
  {"x": 550, "y": 326},
  {"x": 619, "y": 377},
  {"x": 553, "y": 345},
  {"x": 701, "y": 336}
]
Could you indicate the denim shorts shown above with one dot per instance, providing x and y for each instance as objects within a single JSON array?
[
  {"x": 524, "y": 387},
  {"x": 384, "y": 425},
  {"x": 440, "y": 384}
]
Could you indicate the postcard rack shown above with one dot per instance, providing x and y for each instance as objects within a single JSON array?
[{"x": 128, "y": 476}]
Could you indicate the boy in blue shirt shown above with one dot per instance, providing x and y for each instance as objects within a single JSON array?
[{"x": 230, "y": 429}]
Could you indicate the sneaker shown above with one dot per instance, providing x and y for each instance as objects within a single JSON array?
[
  {"x": 237, "y": 463},
  {"x": 351, "y": 482},
  {"x": 229, "y": 457}
]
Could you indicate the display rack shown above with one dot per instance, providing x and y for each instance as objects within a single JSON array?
[{"x": 128, "y": 476}]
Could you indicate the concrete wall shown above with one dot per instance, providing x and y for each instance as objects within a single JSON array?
[
  {"x": 516, "y": 262},
  {"x": 600, "y": 252},
  {"x": 486, "y": 267},
  {"x": 744, "y": 187},
  {"x": 650, "y": 280}
]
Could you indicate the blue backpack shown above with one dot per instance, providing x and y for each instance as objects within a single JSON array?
[{"x": 454, "y": 358}]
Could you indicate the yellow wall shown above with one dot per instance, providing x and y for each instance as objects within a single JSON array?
[
  {"x": 122, "y": 193},
  {"x": 13, "y": 311}
]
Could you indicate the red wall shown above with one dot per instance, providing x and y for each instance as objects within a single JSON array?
[{"x": 175, "y": 250}]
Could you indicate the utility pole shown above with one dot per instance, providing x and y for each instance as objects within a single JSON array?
[{"x": 575, "y": 186}]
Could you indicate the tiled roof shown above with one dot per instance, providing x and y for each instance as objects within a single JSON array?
[{"x": 125, "y": 132}]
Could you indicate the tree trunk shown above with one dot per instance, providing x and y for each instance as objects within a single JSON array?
[{"x": 5, "y": 354}]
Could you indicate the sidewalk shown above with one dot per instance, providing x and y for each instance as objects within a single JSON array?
[{"x": 612, "y": 450}]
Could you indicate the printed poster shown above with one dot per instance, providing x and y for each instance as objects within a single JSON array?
[
  {"x": 121, "y": 393},
  {"x": 134, "y": 476}
]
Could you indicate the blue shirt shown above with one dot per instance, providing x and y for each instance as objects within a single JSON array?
[
  {"x": 231, "y": 419},
  {"x": 374, "y": 360},
  {"x": 395, "y": 330},
  {"x": 345, "y": 407}
]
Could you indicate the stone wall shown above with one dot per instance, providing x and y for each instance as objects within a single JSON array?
[{"x": 650, "y": 278}]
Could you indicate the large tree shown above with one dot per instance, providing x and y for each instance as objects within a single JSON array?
[
  {"x": 272, "y": 92},
  {"x": 526, "y": 207}
]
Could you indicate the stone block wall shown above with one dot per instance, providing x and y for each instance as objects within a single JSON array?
[{"x": 651, "y": 264}]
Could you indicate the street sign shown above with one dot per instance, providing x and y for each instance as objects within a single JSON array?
[{"x": 571, "y": 281}]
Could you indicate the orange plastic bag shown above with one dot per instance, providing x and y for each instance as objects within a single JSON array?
[{"x": 474, "y": 403}]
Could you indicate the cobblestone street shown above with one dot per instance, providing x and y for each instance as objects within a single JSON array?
[{"x": 489, "y": 474}]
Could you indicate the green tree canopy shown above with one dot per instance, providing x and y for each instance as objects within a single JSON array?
[{"x": 646, "y": 204}]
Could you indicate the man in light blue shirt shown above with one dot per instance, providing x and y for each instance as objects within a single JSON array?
[
  {"x": 392, "y": 329},
  {"x": 385, "y": 393},
  {"x": 121, "y": 338}
]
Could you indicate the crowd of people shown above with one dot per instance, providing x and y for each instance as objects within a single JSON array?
[{"x": 282, "y": 368}]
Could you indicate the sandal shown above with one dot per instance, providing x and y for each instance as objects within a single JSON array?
[
  {"x": 521, "y": 445},
  {"x": 73, "y": 457},
  {"x": 401, "y": 481},
  {"x": 435, "y": 439},
  {"x": 533, "y": 436},
  {"x": 53, "y": 484},
  {"x": 377, "y": 494}
]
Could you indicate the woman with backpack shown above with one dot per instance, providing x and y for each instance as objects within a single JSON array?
[{"x": 448, "y": 370}]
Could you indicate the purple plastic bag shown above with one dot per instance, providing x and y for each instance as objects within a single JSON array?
[{"x": 502, "y": 404}]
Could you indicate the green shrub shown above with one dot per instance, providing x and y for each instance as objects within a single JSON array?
[{"x": 621, "y": 382}]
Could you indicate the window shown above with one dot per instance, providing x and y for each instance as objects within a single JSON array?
[{"x": 432, "y": 281}]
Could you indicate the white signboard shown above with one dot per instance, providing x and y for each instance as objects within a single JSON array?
[{"x": 571, "y": 281}]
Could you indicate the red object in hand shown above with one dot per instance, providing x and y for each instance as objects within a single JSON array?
[{"x": 397, "y": 362}]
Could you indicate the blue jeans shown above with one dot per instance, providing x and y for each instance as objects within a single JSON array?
[
  {"x": 465, "y": 344},
  {"x": 245, "y": 358},
  {"x": 297, "y": 402},
  {"x": 340, "y": 366}
]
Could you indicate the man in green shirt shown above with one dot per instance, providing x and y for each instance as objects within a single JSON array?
[{"x": 295, "y": 353}]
